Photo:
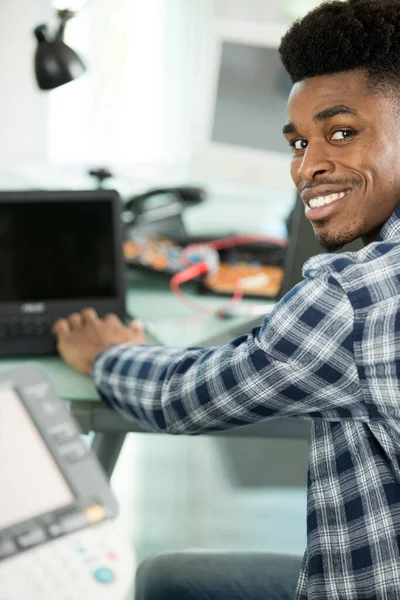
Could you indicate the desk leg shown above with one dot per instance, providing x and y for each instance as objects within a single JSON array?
[{"x": 107, "y": 447}]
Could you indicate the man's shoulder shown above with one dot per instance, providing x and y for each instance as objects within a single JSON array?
[
  {"x": 368, "y": 277},
  {"x": 373, "y": 257}
]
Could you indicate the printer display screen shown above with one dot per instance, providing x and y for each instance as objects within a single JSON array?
[{"x": 31, "y": 482}]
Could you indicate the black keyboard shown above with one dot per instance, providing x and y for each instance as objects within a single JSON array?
[
  {"x": 24, "y": 328},
  {"x": 28, "y": 337}
]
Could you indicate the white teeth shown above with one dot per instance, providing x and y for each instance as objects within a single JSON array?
[{"x": 322, "y": 200}]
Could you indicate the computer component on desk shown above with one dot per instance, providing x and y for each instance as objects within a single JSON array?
[
  {"x": 257, "y": 268},
  {"x": 58, "y": 539},
  {"x": 60, "y": 252},
  {"x": 167, "y": 253}
]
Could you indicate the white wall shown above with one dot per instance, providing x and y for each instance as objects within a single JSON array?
[
  {"x": 263, "y": 11},
  {"x": 23, "y": 107}
]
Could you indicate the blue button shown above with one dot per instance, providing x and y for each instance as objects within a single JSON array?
[{"x": 104, "y": 575}]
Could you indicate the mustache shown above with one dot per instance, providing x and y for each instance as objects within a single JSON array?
[{"x": 324, "y": 181}]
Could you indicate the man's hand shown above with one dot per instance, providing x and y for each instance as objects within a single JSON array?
[{"x": 83, "y": 336}]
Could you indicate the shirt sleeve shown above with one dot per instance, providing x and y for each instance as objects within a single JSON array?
[{"x": 298, "y": 363}]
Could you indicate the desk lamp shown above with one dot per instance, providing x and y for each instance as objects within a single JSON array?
[{"x": 55, "y": 62}]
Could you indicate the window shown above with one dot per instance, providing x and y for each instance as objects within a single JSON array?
[{"x": 136, "y": 103}]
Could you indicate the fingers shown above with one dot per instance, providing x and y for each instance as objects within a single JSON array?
[
  {"x": 61, "y": 327},
  {"x": 65, "y": 326},
  {"x": 89, "y": 315},
  {"x": 112, "y": 318},
  {"x": 136, "y": 325},
  {"x": 74, "y": 320}
]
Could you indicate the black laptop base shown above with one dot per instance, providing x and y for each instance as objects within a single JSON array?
[{"x": 26, "y": 347}]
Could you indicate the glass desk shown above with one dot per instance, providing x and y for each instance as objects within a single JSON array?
[{"x": 168, "y": 322}]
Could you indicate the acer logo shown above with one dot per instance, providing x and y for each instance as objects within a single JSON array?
[{"x": 33, "y": 307}]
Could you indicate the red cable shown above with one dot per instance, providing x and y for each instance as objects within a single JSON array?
[{"x": 201, "y": 268}]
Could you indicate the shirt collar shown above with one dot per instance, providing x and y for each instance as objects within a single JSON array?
[{"x": 392, "y": 226}]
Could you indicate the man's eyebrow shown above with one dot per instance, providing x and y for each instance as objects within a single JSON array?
[
  {"x": 324, "y": 115},
  {"x": 333, "y": 111},
  {"x": 289, "y": 128}
]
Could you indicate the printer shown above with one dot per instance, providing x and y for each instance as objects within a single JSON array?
[{"x": 58, "y": 538}]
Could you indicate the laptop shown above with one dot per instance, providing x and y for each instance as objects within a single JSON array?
[{"x": 60, "y": 252}]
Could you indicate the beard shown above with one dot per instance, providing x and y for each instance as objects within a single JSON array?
[{"x": 331, "y": 242}]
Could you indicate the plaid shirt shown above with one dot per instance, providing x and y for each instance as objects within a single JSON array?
[{"x": 328, "y": 352}]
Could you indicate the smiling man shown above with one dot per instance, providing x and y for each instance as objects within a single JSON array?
[
  {"x": 329, "y": 352},
  {"x": 345, "y": 135}
]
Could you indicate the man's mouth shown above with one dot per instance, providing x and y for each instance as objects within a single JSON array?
[
  {"x": 323, "y": 203},
  {"x": 323, "y": 200}
]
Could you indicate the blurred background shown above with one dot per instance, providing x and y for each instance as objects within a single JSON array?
[{"x": 174, "y": 92}]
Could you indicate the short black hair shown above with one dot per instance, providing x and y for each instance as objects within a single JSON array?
[{"x": 340, "y": 36}]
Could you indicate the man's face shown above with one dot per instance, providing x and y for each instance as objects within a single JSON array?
[{"x": 346, "y": 156}]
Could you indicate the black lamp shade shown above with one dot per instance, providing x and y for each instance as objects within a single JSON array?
[{"x": 55, "y": 62}]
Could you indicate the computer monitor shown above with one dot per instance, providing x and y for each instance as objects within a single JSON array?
[{"x": 239, "y": 135}]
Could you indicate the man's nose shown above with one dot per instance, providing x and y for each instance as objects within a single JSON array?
[{"x": 315, "y": 162}]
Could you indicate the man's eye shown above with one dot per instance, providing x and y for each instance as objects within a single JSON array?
[
  {"x": 299, "y": 144},
  {"x": 342, "y": 134}
]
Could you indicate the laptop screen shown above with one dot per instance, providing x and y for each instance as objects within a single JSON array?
[{"x": 57, "y": 250}]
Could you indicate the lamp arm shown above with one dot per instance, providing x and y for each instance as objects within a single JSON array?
[{"x": 64, "y": 15}]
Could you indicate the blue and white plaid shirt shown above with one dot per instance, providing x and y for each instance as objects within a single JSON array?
[{"x": 329, "y": 352}]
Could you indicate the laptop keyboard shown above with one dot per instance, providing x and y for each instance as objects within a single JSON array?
[{"x": 37, "y": 327}]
